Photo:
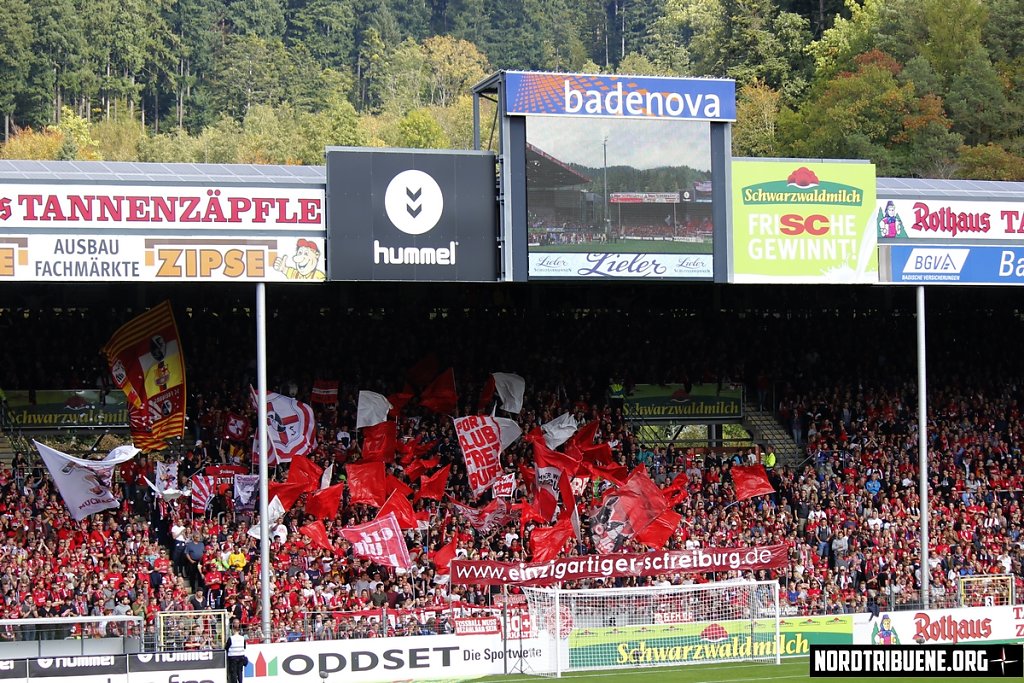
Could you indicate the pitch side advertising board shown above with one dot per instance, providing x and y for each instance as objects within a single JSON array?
[
  {"x": 59, "y": 232},
  {"x": 618, "y": 174},
  {"x": 797, "y": 221},
  {"x": 206, "y": 666},
  {"x": 423, "y": 215}
]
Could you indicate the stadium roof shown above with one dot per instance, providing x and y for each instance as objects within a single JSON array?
[
  {"x": 910, "y": 188},
  {"x": 544, "y": 170},
  {"x": 131, "y": 172}
]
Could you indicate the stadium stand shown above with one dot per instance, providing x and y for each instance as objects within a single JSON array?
[{"x": 842, "y": 383}]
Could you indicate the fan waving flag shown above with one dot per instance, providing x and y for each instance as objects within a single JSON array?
[
  {"x": 291, "y": 427},
  {"x": 433, "y": 487},
  {"x": 440, "y": 396},
  {"x": 324, "y": 503},
  {"x": 366, "y": 483},
  {"x": 236, "y": 427},
  {"x": 510, "y": 390},
  {"x": 372, "y": 409},
  {"x": 316, "y": 532},
  {"x": 750, "y": 481},
  {"x": 83, "y": 484},
  {"x": 480, "y": 437},
  {"x": 381, "y": 541},
  {"x": 202, "y": 492},
  {"x": 325, "y": 392},
  {"x": 400, "y": 506},
  {"x": 147, "y": 363}
]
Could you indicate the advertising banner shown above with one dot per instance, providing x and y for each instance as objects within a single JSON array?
[
  {"x": 552, "y": 94},
  {"x": 949, "y": 221},
  {"x": 698, "y": 560},
  {"x": 423, "y": 215},
  {"x": 704, "y": 641},
  {"x": 1002, "y": 624},
  {"x": 175, "y": 667},
  {"x": 618, "y": 266},
  {"x": 127, "y": 233},
  {"x": 952, "y": 264},
  {"x": 677, "y": 401},
  {"x": 55, "y": 408},
  {"x": 797, "y": 221},
  {"x": 372, "y": 660}
]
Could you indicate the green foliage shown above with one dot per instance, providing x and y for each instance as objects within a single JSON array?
[
  {"x": 15, "y": 51},
  {"x": 118, "y": 139},
  {"x": 757, "y": 115},
  {"x": 419, "y": 129},
  {"x": 990, "y": 162},
  {"x": 78, "y": 141},
  {"x": 28, "y": 144}
]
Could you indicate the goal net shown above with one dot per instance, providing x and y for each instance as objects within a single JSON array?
[
  {"x": 657, "y": 625},
  {"x": 987, "y": 590}
]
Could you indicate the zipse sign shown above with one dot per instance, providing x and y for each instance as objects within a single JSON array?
[
  {"x": 603, "y": 95},
  {"x": 127, "y": 233}
]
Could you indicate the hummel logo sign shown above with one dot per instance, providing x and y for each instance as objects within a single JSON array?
[
  {"x": 414, "y": 202},
  {"x": 414, "y": 208}
]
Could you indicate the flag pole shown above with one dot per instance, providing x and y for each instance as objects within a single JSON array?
[{"x": 261, "y": 426}]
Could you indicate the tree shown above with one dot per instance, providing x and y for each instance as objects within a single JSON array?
[
  {"x": 29, "y": 144},
  {"x": 976, "y": 102},
  {"x": 990, "y": 162},
  {"x": 400, "y": 80},
  {"x": 755, "y": 132},
  {"x": 15, "y": 55},
  {"x": 419, "y": 130},
  {"x": 258, "y": 18},
  {"x": 639, "y": 65},
  {"x": 326, "y": 28},
  {"x": 452, "y": 67}
]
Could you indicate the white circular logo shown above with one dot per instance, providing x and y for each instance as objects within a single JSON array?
[{"x": 414, "y": 202}]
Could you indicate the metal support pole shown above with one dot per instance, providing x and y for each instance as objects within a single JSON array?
[
  {"x": 261, "y": 425},
  {"x": 922, "y": 444}
]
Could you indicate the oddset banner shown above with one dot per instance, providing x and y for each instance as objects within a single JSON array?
[{"x": 698, "y": 560}]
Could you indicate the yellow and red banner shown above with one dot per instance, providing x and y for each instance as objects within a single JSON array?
[{"x": 148, "y": 364}]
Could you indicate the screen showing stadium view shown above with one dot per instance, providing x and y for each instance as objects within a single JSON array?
[{"x": 625, "y": 198}]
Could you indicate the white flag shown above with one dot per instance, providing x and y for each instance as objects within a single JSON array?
[
  {"x": 372, "y": 409},
  {"x": 325, "y": 478},
  {"x": 275, "y": 511},
  {"x": 291, "y": 428},
  {"x": 508, "y": 431},
  {"x": 559, "y": 430},
  {"x": 84, "y": 484},
  {"x": 510, "y": 389}
]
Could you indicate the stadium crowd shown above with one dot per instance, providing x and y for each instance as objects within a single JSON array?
[{"x": 849, "y": 511}]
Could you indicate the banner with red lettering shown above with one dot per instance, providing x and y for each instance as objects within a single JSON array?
[
  {"x": 494, "y": 514},
  {"x": 480, "y": 439},
  {"x": 147, "y": 363},
  {"x": 696, "y": 561},
  {"x": 380, "y": 540},
  {"x": 504, "y": 487}
]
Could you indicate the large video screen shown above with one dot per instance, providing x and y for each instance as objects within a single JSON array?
[{"x": 618, "y": 198}]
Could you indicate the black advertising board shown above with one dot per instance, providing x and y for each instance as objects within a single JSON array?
[{"x": 419, "y": 215}]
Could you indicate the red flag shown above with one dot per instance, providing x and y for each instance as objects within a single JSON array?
[
  {"x": 304, "y": 471},
  {"x": 544, "y": 457},
  {"x": 547, "y": 542},
  {"x": 527, "y": 513},
  {"x": 402, "y": 509},
  {"x": 529, "y": 476},
  {"x": 288, "y": 493},
  {"x": 615, "y": 473},
  {"x": 750, "y": 481},
  {"x": 236, "y": 427},
  {"x": 441, "y": 396},
  {"x": 399, "y": 400},
  {"x": 444, "y": 555},
  {"x": 641, "y": 499},
  {"x": 426, "y": 369},
  {"x": 486, "y": 395},
  {"x": 381, "y": 541},
  {"x": 379, "y": 442},
  {"x": 202, "y": 492},
  {"x": 584, "y": 436},
  {"x": 433, "y": 487},
  {"x": 393, "y": 484},
  {"x": 658, "y": 532},
  {"x": 366, "y": 483},
  {"x": 317, "y": 534},
  {"x": 325, "y": 392},
  {"x": 325, "y": 503},
  {"x": 409, "y": 451},
  {"x": 677, "y": 490}
]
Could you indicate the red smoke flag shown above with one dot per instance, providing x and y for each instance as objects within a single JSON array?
[
  {"x": 379, "y": 442},
  {"x": 444, "y": 555},
  {"x": 434, "y": 486},
  {"x": 287, "y": 493},
  {"x": 302, "y": 470},
  {"x": 236, "y": 427},
  {"x": 324, "y": 503},
  {"x": 402, "y": 509},
  {"x": 750, "y": 481},
  {"x": 202, "y": 492},
  {"x": 547, "y": 542},
  {"x": 366, "y": 483},
  {"x": 480, "y": 440},
  {"x": 147, "y": 363},
  {"x": 440, "y": 396},
  {"x": 317, "y": 535},
  {"x": 381, "y": 541},
  {"x": 325, "y": 392}
]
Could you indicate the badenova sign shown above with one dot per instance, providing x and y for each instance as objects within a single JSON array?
[
  {"x": 604, "y": 95},
  {"x": 129, "y": 233}
]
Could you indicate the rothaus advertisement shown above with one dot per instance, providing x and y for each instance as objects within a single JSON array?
[
  {"x": 418, "y": 658},
  {"x": 403, "y": 215},
  {"x": 159, "y": 233}
]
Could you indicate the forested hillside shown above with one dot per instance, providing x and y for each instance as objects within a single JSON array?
[{"x": 921, "y": 87}]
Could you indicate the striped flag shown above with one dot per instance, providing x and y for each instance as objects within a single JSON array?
[
  {"x": 147, "y": 363},
  {"x": 324, "y": 392},
  {"x": 202, "y": 492}
]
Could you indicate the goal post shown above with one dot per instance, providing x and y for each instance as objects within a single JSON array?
[
  {"x": 986, "y": 590},
  {"x": 654, "y": 626}
]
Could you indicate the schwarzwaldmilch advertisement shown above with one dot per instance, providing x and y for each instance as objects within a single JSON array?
[{"x": 411, "y": 215}]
